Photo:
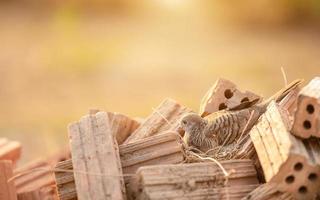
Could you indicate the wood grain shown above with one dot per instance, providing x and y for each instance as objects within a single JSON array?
[
  {"x": 195, "y": 181},
  {"x": 7, "y": 189},
  {"x": 166, "y": 117},
  {"x": 95, "y": 152}
]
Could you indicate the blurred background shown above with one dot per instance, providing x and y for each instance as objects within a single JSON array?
[{"x": 60, "y": 58}]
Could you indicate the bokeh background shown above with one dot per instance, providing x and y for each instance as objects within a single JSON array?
[{"x": 60, "y": 58}]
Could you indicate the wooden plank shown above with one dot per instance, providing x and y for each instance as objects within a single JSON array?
[
  {"x": 45, "y": 193},
  {"x": 307, "y": 116},
  {"x": 10, "y": 150},
  {"x": 7, "y": 189},
  {"x": 285, "y": 159},
  {"x": 268, "y": 192},
  {"x": 164, "y": 148},
  {"x": 195, "y": 181},
  {"x": 95, "y": 151},
  {"x": 224, "y": 94},
  {"x": 165, "y": 118},
  {"x": 36, "y": 175},
  {"x": 66, "y": 187}
]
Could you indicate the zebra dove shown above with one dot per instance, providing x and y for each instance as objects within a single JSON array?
[{"x": 226, "y": 126}]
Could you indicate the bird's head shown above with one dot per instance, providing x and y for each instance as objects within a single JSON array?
[{"x": 191, "y": 123}]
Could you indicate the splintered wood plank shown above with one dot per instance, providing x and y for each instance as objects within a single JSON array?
[
  {"x": 286, "y": 161},
  {"x": 195, "y": 181},
  {"x": 65, "y": 181},
  {"x": 307, "y": 116},
  {"x": 9, "y": 150},
  {"x": 222, "y": 95},
  {"x": 7, "y": 189},
  {"x": 37, "y": 175},
  {"x": 166, "y": 117},
  {"x": 45, "y": 193},
  {"x": 165, "y": 148},
  {"x": 95, "y": 151},
  {"x": 122, "y": 126},
  {"x": 268, "y": 192}
]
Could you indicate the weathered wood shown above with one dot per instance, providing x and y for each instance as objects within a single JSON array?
[
  {"x": 37, "y": 176},
  {"x": 122, "y": 125},
  {"x": 166, "y": 117},
  {"x": 224, "y": 94},
  {"x": 307, "y": 116},
  {"x": 164, "y": 148},
  {"x": 194, "y": 181},
  {"x": 45, "y": 193},
  {"x": 7, "y": 189},
  {"x": 65, "y": 181},
  {"x": 268, "y": 191},
  {"x": 285, "y": 160},
  {"x": 9, "y": 150},
  {"x": 95, "y": 151}
]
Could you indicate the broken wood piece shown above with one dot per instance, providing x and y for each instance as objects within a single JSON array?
[
  {"x": 10, "y": 150},
  {"x": 222, "y": 95},
  {"x": 95, "y": 152},
  {"x": 7, "y": 189},
  {"x": 37, "y": 175},
  {"x": 45, "y": 193},
  {"x": 286, "y": 160},
  {"x": 307, "y": 115},
  {"x": 65, "y": 181},
  {"x": 164, "y": 118},
  {"x": 194, "y": 181},
  {"x": 123, "y": 125},
  {"x": 165, "y": 148},
  {"x": 268, "y": 191}
]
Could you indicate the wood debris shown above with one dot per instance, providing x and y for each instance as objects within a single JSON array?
[
  {"x": 164, "y": 118},
  {"x": 10, "y": 150},
  {"x": 273, "y": 156},
  {"x": 7, "y": 189},
  {"x": 94, "y": 150},
  {"x": 165, "y": 148},
  {"x": 195, "y": 181}
]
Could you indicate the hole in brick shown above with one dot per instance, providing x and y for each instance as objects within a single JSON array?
[
  {"x": 310, "y": 109},
  {"x": 290, "y": 179},
  {"x": 246, "y": 99},
  {"x": 298, "y": 166},
  {"x": 222, "y": 106},
  {"x": 303, "y": 190},
  {"x": 312, "y": 176},
  {"x": 307, "y": 124},
  {"x": 228, "y": 93}
]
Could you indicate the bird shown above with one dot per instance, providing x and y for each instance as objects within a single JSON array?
[{"x": 226, "y": 126}]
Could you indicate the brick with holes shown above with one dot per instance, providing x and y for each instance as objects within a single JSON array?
[
  {"x": 291, "y": 163},
  {"x": 224, "y": 94},
  {"x": 307, "y": 115}
]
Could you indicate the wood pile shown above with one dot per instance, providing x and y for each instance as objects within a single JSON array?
[{"x": 275, "y": 153}]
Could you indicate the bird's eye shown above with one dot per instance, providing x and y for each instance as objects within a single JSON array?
[{"x": 184, "y": 122}]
